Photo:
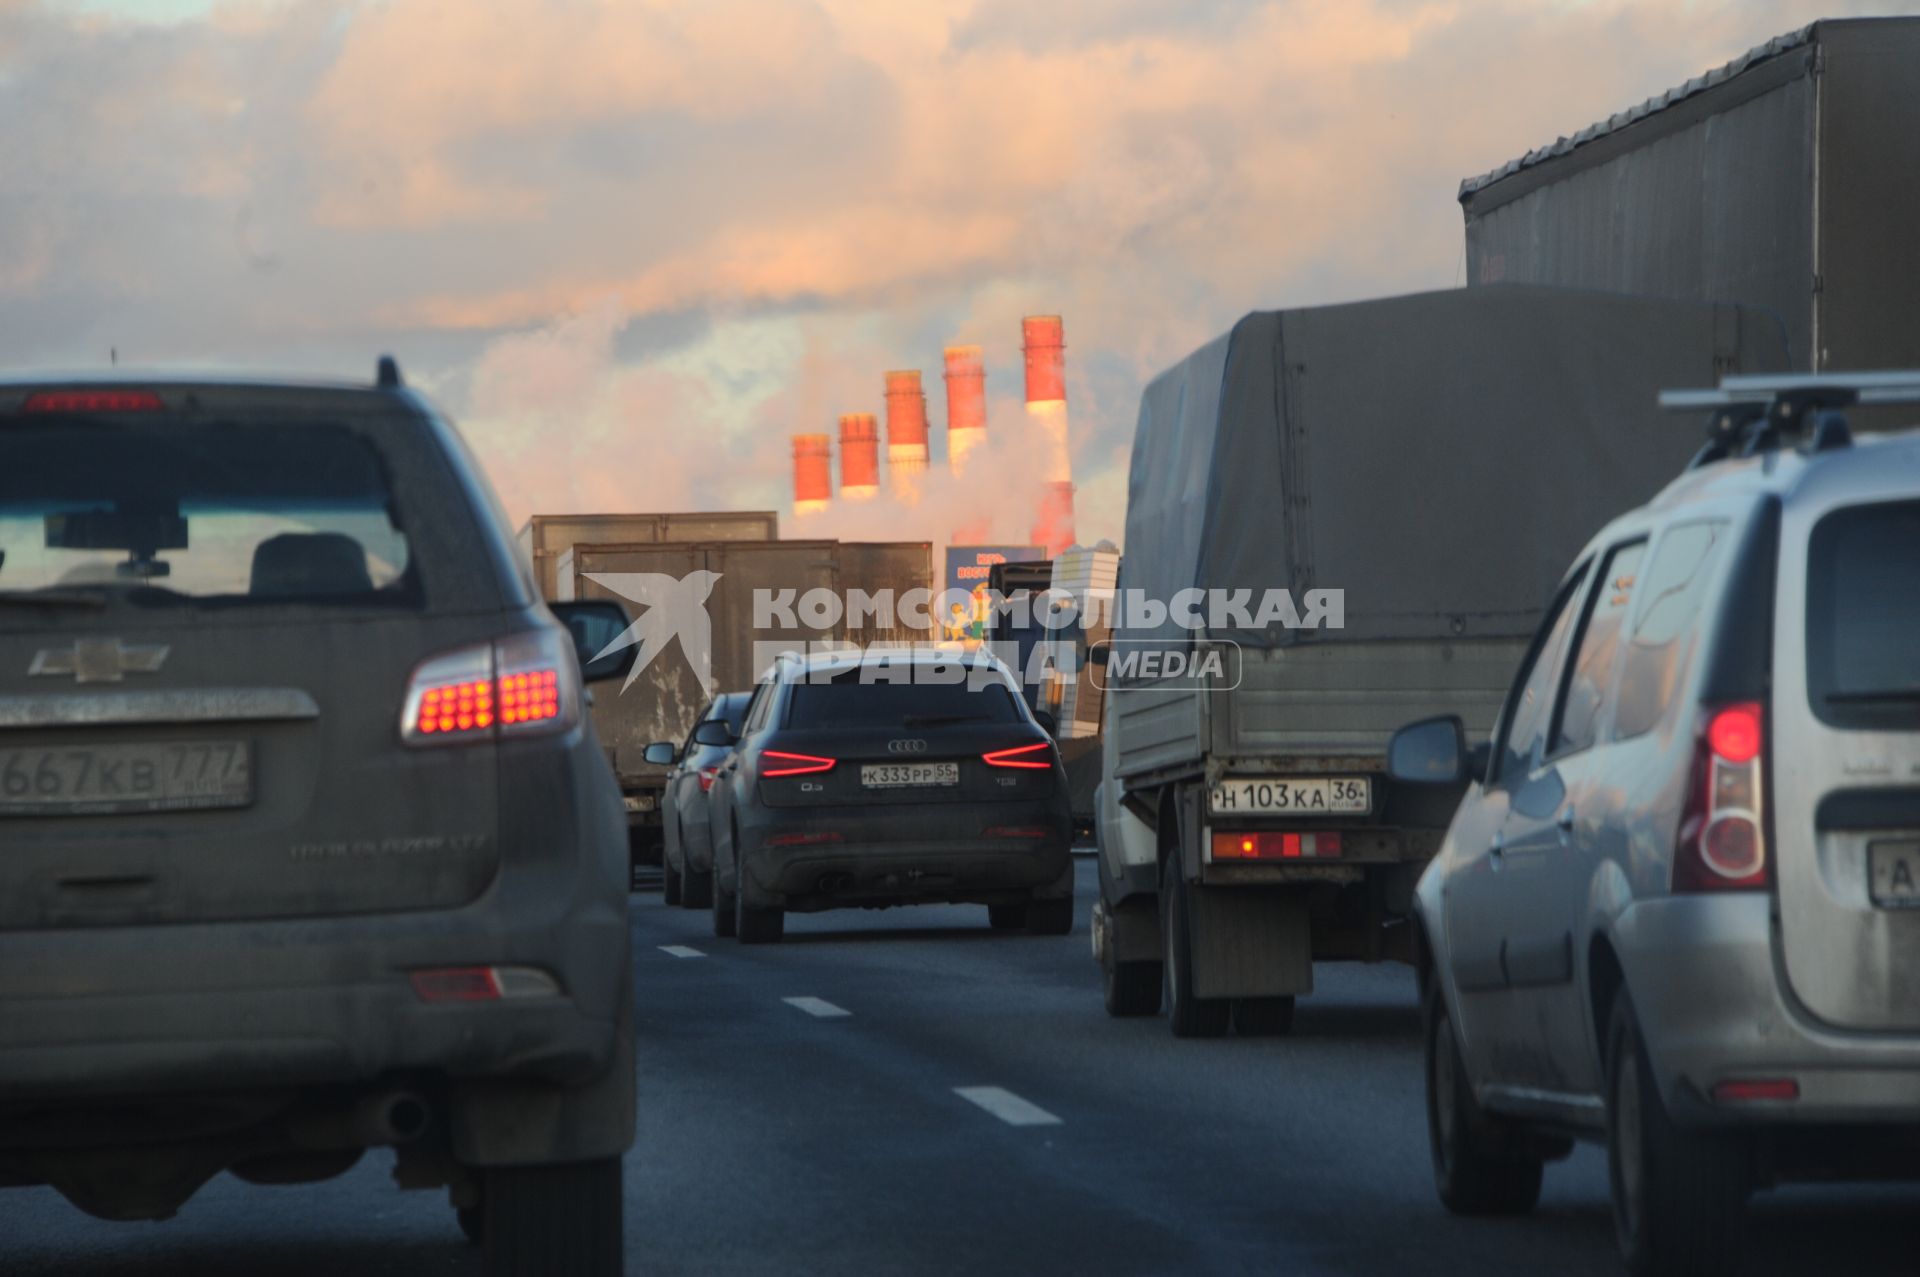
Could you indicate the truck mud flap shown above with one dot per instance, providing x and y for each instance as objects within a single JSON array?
[{"x": 1250, "y": 943}]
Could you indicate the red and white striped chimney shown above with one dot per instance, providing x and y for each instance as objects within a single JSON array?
[
  {"x": 906, "y": 433},
  {"x": 1045, "y": 345},
  {"x": 859, "y": 456},
  {"x": 966, "y": 378},
  {"x": 812, "y": 473}
]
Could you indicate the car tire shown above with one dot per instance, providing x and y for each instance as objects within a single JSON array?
[
  {"x": 1678, "y": 1196},
  {"x": 1131, "y": 988},
  {"x": 473, "y": 1223},
  {"x": 1481, "y": 1165},
  {"x": 1050, "y": 917},
  {"x": 757, "y": 925},
  {"x": 1263, "y": 1017},
  {"x": 563, "y": 1218},
  {"x": 1187, "y": 1015},
  {"x": 1009, "y": 917},
  {"x": 722, "y": 901},
  {"x": 669, "y": 884},
  {"x": 696, "y": 890}
]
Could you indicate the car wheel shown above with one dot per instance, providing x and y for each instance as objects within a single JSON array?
[
  {"x": 473, "y": 1222},
  {"x": 756, "y": 925},
  {"x": 1189, "y": 1016},
  {"x": 1481, "y": 1165},
  {"x": 722, "y": 901},
  {"x": 1678, "y": 1195},
  {"x": 564, "y": 1218},
  {"x": 1263, "y": 1017},
  {"x": 696, "y": 890},
  {"x": 669, "y": 884},
  {"x": 1050, "y": 917},
  {"x": 1007, "y": 917},
  {"x": 1131, "y": 988}
]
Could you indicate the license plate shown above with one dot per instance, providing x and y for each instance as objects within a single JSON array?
[
  {"x": 902, "y": 775},
  {"x": 1288, "y": 796},
  {"x": 88, "y": 780},
  {"x": 1895, "y": 868}
]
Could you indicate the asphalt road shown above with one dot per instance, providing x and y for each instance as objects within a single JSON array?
[{"x": 802, "y": 1111}]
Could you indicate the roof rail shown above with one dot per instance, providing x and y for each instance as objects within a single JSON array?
[{"x": 1750, "y": 413}]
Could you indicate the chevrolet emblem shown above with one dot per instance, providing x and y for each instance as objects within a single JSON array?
[{"x": 98, "y": 660}]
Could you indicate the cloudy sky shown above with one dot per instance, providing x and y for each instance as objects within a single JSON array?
[{"x": 633, "y": 245}]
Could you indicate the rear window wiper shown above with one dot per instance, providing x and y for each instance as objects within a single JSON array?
[
  {"x": 1889, "y": 695},
  {"x": 52, "y": 598},
  {"x": 942, "y": 720}
]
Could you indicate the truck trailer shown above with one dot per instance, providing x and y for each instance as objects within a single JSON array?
[
  {"x": 544, "y": 538},
  {"x": 1389, "y": 491}
]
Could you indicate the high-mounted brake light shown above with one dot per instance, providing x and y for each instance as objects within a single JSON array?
[
  {"x": 1026, "y": 756},
  {"x": 1722, "y": 843},
  {"x": 796, "y": 764},
  {"x": 519, "y": 686},
  {"x": 47, "y": 401}
]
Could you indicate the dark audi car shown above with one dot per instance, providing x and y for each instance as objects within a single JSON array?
[
  {"x": 306, "y": 846},
  {"x": 903, "y": 777}
]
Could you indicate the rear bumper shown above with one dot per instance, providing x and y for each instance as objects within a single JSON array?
[
  {"x": 1708, "y": 993},
  {"x": 243, "y": 1005},
  {"x": 932, "y": 853}
]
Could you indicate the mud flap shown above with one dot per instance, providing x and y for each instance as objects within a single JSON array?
[
  {"x": 504, "y": 1122},
  {"x": 1249, "y": 943}
]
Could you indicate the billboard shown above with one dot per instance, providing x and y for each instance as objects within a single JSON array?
[{"x": 968, "y": 567}]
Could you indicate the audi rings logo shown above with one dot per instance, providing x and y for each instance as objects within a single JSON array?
[{"x": 906, "y": 747}]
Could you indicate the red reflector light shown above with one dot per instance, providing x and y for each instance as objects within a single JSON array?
[
  {"x": 1734, "y": 733},
  {"x": 802, "y": 840},
  {"x": 1263, "y": 845},
  {"x": 452, "y": 708},
  {"x": 1751, "y": 1090},
  {"x": 529, "y": 697},
  {"x": 1017, "y": 831},
  {"x": 92, "y": 401},
  {"x": 707, "y": 775},
  {"x": 785, "y": 764},
  {"x": 456, "y": 984},
  {"x": 1022, "y": 756}
]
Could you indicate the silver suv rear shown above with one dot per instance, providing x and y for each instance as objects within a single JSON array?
[
  {"x": 304, "y": 846},
  {"x": 1679, "y": 908}
]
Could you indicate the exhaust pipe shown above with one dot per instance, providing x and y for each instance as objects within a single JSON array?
[
  {"x": 834, "y": 882},
  {"x": 374, "y": 1121}
]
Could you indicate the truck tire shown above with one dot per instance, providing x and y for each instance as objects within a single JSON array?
[
  {"x": 564, "y": 1218},
  {"x": 1050, "y": 917},
  {"x": 1263, "y": 1017},
  {"x": 696, "y": 890},
  {"x": 1010, "y": 917},
  {"x": 1678, "y": 1195},
  {"x": 669, "y": 884},
  {"x": 1132, "y": 988},
  {"x": 1187, "y": 1015},
  {"x": 1481, "y": 1166}
]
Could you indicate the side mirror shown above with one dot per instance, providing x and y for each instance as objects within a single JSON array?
[
  {"x": 1430, "y": 752},
  {"x": 1048, "y": 723},
  {"x": 662, "y": 753},
  {"x": 594, "y": 623},
  {"x": 714, "y": 732}
]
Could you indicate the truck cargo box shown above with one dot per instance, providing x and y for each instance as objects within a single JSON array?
[
  {"x": 1788, "y": 178},
  {"x": 546, "y": 537}
]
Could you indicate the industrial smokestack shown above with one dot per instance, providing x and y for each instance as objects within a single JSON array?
[
  {"x": 966, "y": 404},
  {"x": 906, "y": 433},
  {"x": 859, "y": 456},
  {"x": 812, "y": 473},
  {"x": 1045, "y": 345}
]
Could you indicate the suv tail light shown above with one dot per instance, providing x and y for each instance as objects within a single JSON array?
[
  {"x": 523, "y": 685},
  {"x": 785, "y": 764},
  {"x": 707, "y": 775},
  {"x": 1037, "y": 755},
  {"x": 1723, "y": 842}
]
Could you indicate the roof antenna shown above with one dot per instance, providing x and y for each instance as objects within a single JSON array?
[
  {"x": 388, "y": 376},
  {"x": 113, "y": 356}
]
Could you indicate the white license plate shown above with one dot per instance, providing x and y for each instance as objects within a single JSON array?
[
  {"x": 1291, "y": 796},
  {"x": 903, "y": 775},
  {"x": 1895, "y": 868},
  {"x": 87, "y": 780}
]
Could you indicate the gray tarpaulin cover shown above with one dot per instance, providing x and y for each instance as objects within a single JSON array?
[{"x": 1440, "y": 457}]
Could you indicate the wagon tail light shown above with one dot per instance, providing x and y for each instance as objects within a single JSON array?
[
  {"x": 780, "y": 763},
  {"x": 1037, "y": 756},
  {"x": 1723, "y": 841},
  {"x": 519, "y": 686}
]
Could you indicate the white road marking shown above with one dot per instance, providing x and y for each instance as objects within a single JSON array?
[
  {"x": 1006, "y": 1106},
  {"x": 818, "y": 1007},
  {"x": 681, "y": 951}
]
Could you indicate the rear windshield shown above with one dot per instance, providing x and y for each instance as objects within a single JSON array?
[
  {"x": 163, "y": 511},
  {"x": 858, "y": 698},
  {"x": 1863, "y": 616}
]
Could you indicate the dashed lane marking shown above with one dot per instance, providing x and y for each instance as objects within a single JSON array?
[
  {"x": 681, "y": 951},
  {"x": 1006, "y": 1106},
  {"x": 818, "y": 1007}
]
